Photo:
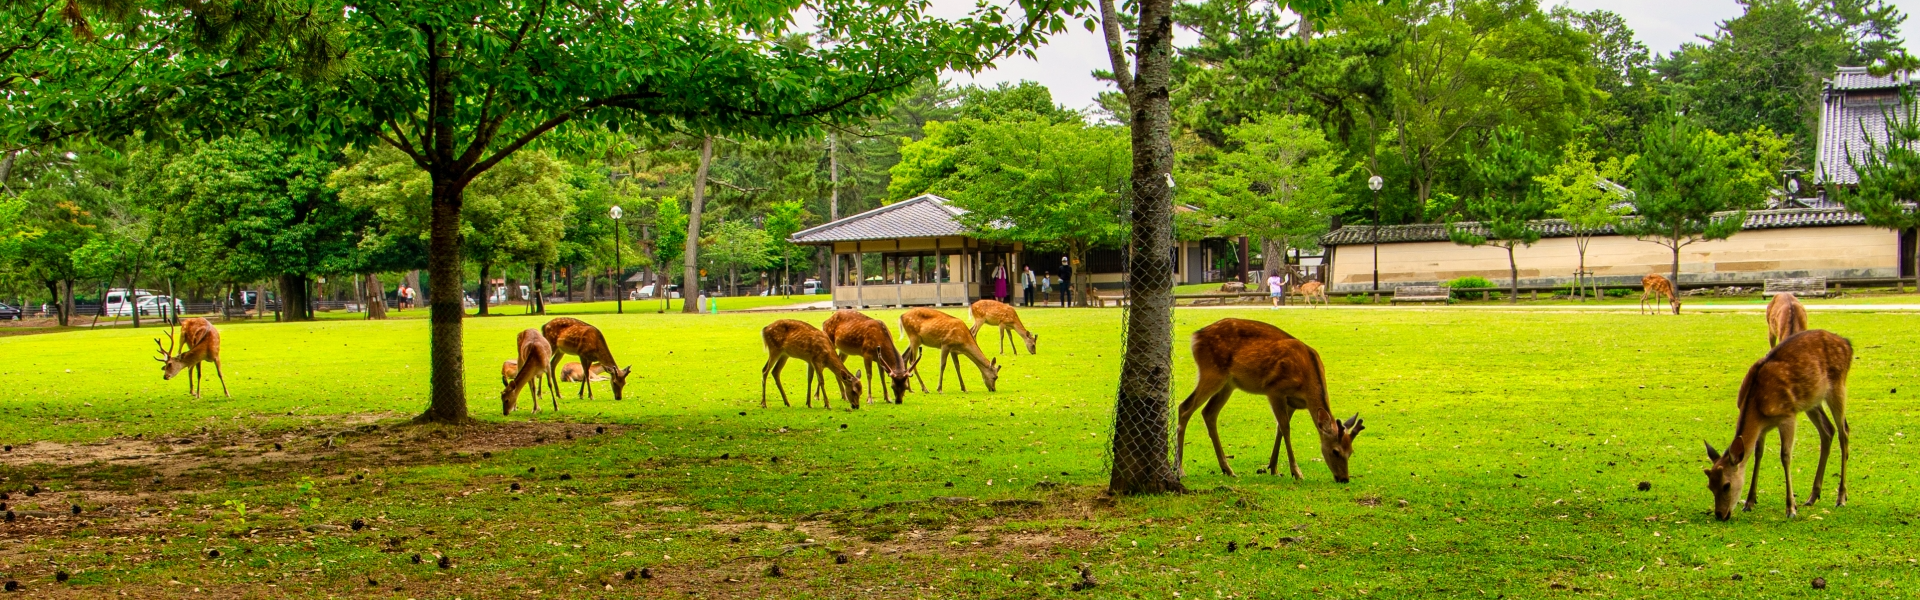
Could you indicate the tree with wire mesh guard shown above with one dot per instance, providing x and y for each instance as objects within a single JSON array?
[{"x": 1261, "y": 359}]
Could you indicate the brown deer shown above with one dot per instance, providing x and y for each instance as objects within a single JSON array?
[
  {"x": 929, "y": 327},
  {"x": 1311, "y": 290},
  {"x": 535, "y": 357},
  {"x": 1785, "y": 317},
  {"x": 873, "y": 343},
  {"x": 1003, "y": 316},
  {"x": 1655, "y": 285},
  {"x": 573, "y": 336},
  {"x": 507, "y": 371},
  {"x": 574, "y": 372},
  {"x": 842, "y": 318},
  {"x": 1261, "y": 359},
  {"x": 203, "y": 344},
  {"x": 787, "y": 338},
  {"x": 1806, "y": 373}
]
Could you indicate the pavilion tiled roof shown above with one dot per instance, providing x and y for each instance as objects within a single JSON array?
[
  {"x": 1437, "y": 232},
  {"x": 1853, "y": 110},
  {"x": 919, "y": 217}
]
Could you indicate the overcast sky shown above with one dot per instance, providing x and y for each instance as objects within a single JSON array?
[{"x": 1066, "y": 63}]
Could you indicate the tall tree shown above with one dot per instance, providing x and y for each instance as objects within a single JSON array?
[
  {"x": 737, "y": 245},
  {"x": 460, "y": 86},
  {"x": 1279, "y": 183},
  {"x": 1692, "y": 185},
  {"x": 1889, "y": 173},
  {"x": 1506, "y": 205},
  {"x": 1587, "y": 195},
  {"x": 783, "y": 221}
]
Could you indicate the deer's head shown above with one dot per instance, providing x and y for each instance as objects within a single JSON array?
[
  {"x": 1676, "y": 303},
  {"x": 1336, "y": 449},
  {"x": 901, "y": 375},
  {"x": 1033, "y": 342},
  {"x": 991, "y": 374},
  {"x": 508, "y": 398},
  {"x": 1724, "y": 478},
  {"x": 619, "y": 379},
  {"x": 170, "y": 363}
]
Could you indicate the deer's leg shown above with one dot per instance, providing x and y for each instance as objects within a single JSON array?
[
  {"x": 1824, "y": 426},
  {"x": 766, "y": 370},
  {"x": 222, "y": 376},
  {"x": 1838, "y": 403},
  {"x": 1786, "y": 463},
  {"x": 809, "y": 385},
  {"x": 780, "y": 364},
  {"x": 1753, "y": 489},
  {"x": 553, "y": 368},
  {"x": 1203, "y": 390},
  {"x": 1285, "y": 415},
  {"x": 915, "y": 350},
  {"x": 941, "y": 385},
  {"x": 1211, "y": 414},
  {"x": 957, "y": 375},
  {"x": 1002, "y": 338}
]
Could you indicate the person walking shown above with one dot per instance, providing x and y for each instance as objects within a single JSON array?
[
  {"x": 1046, "y": 287},
  {"x": 1026, "y": 285},
  {"x": 1066, "y": 282},
  {"x": 1000, "y": 283},
  {"x": 1277, "y": 287}
]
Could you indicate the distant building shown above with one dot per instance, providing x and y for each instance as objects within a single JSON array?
[{"x": 1795, "y": 237}]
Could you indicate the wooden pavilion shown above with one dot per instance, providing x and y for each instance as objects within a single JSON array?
[{"x": 911, "y": 253}]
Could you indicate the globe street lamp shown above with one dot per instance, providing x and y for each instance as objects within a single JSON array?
[
  {"x": 620, "y": 288},
  {"x": 1374, "y": 183}
]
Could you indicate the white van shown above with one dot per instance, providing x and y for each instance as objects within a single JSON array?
[{"x": 122, "y": 303}]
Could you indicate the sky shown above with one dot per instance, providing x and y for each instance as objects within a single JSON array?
[{"x": 1066, "y": 63}]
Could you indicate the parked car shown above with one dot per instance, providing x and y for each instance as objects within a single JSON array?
[
  {"x": 646, "y": 292},
  {"x": 160, "y": 305},
  {"x": 121, "y": 302},
  {"x": 8, "y": 312}
]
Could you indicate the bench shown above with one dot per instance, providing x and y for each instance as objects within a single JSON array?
[
  {"x": 1420, "y": 293},
  {"x": 1101, "y": 298},
  {"x": 1798, "y": 286}
]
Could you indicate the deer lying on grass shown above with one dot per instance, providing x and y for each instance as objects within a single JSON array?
[
  {"x": 1785, "y": 317},
  {"x": 870, "y": 340},
  {"x": 1261, "y": 359},
  {"x": 203, "y": 344},
  {"x": 536, "y": 355},
  {"x": 1311, "y": 290},
  {"x": 929, "y": 327},
  {"x": 1003, "y": 316},
  {"x": 1655, "y": 285},
  {"x": 574, "y": 372},
  {"x": 1806, "y": 373},
  {"x": 787, "y": 338},
  {"x": 573, "y": 336},
  {"x": 507, "y": 371}
]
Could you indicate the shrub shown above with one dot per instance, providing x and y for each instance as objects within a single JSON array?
[
  {"x": 1357, "y": 298},
  {"x": 1467, "y": 282},
  {"x": 1619, "y": 293}
]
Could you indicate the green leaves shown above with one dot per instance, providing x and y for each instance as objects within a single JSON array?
[
  {"x": 1691, "y": 184},
  {"x": 1280, "y": 180},
  {"x": 1046, "y": 183}
]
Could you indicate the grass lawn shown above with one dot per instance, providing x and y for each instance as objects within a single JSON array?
[{"x": 1502, "y": 457}]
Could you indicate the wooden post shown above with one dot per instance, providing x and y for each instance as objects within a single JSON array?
[{"x": 860, "y": 279}]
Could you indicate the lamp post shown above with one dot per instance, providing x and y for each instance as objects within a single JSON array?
[
  {"x": 620, "y": 288},
  {"x": 1374, "y": 183}
]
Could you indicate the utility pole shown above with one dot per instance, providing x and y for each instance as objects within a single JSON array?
[{"x": 833, "y": 177}]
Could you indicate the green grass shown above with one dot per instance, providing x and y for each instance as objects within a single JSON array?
[{"x": 1515, "y": 439}]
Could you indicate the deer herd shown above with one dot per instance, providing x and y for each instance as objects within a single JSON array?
[{"x": 1804, "y": 372}]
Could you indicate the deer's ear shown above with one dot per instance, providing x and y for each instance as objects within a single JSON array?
[
  {"x": 625, "y": 371},
  {"x": 1713, "y": 455}
]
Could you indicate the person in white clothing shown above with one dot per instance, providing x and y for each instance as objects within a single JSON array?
[{"x": 1277, "y": 288}]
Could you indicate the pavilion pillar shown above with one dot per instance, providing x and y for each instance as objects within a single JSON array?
[{"x": 859, "y": 279}]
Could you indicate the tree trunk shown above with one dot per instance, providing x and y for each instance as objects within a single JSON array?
[
  {"x": 59, "y": 309},
  {"x": 486, "y": 288},
  {"x": 376, "y": 297},
  {"x": 1513, "y": 273},
  {"x": 1675, "y": 278},
  {"x": 448, "y": 402},
  {"x": 690, "y": 279},
  {"x": 539, "y": 289},
  {"x": 1916, "y": 260},
  {"x": 1077, "y": 258},
  {"x": 1141, "y": 418},
  {"x": 136, "y": 306},
  {"x": 294, "y": 301}
]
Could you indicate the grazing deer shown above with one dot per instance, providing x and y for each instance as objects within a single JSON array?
[
  {"x": 1806, "y": 373},
  {"x": 1311, "y": 290},
  {"x": 1261, "y": 359},
  {"x": 536, "y": 355},
  {"x": 574, "y": 372},
  {"x": 787, "y": 338},
  {"x": 203, "y": 344},
  {"x": 1655, "y": 285},
  {"x": 1002, "y": 315},
  {"x": 507, "y": 371},
  {"x": 870, "y": 340},
  {"x": 842, "y": 318},
  {"x": 929, "y": 327},
  {"x": 573, "y": 336},
  {"x": 1785, "y": 317}
]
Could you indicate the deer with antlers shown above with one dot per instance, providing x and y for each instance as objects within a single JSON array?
[
  {"x": 1261, "y": 359},
  {"x": 1003, "y": 316},
  {"x": 1785, "y": 317},
  {"x": 535, "y": 356},
  {"x": 203, "y": 344},
  {"x": 1806, "y": 373},
  {"x": 1654, "y": 286},
  {"x": 1311, "y": 290},
  {"x": 787, "y": 338},
  {"x": 573, "y": 336},
  {"x": 928, "y": 327}
]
